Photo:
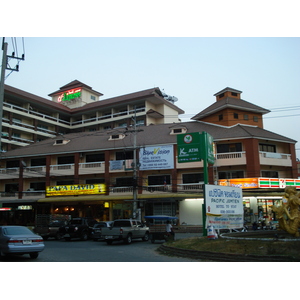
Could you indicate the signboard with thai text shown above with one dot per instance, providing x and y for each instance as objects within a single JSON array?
[
  {"x": 244, "y": 183},
  {"x": 224, "y": 206},
  {"x": 223, "y": 200},
  {"x": 69, "y": 95},
  {"x": 76, "y": 189}
]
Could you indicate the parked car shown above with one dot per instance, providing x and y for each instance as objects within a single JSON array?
[
  {"x": 77, "y": 228},
  {"x": 96, "y": 231},
  {"x": 126, "y": 230},
  {"x": 50, "y": 230},
  {"x": 20, "y": 240}
]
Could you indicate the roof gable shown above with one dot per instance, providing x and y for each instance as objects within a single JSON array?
[{"x": 229, "y": 102}]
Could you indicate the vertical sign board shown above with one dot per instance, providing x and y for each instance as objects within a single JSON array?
[
  {"x": 188, "y": 147},
  {"x": 224, "y": 207},
  {"x": 209, "y": 147}
]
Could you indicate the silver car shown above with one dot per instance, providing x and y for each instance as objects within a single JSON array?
[{"x": 20, "y": 240}]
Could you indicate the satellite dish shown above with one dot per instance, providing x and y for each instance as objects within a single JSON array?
[{"x": 172, "y": 99}]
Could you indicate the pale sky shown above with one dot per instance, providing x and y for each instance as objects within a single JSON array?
[{"x": 193, "y": 69}]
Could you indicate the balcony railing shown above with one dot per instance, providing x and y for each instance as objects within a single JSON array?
[
  {"x": 231, "y": 158},
  {"x": 79, "y": 122},
  {"x": 92, "y": 167},
  {"x": 276, "y": 159}
]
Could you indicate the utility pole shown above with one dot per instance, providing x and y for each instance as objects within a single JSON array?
[
  {"x": 135, "y": 166},
  {"x": 4, "y": 67}
]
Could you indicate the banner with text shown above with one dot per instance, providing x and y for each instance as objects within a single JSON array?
[
  {"x": 156, "y": 158},
  {"x": 224, "y": 206}
]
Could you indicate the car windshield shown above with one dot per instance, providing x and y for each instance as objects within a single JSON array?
[
  {"x": 16, "y": 231},
  {"x": 56, "y": 224}
]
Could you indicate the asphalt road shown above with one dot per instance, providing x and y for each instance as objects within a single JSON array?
[{"x": 91, "y": 251}]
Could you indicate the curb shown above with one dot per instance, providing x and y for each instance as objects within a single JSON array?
[{"x": 223, "y": 257}]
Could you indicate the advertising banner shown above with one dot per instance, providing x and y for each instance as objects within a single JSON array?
[
  {"x": 244, "y": 183},
  {"x": 156, "y": 157},
  {"x": 225, "y": 222},
  {"x": 76, "y": 189}
]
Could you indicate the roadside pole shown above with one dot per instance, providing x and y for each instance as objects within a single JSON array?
[
  {"x": 3, "y": 68},
  {"x": 205, "y": 173}
]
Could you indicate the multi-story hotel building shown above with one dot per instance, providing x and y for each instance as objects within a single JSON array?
[{"x": 80, "y": 153}]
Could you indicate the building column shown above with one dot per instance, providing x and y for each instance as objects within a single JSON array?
[
  {"x": 76, "y": 168},
  {"x": 252, "y": 158},
  {"x": 106, "y": 172},
  {"x": 21, "y": 184},
  {"x": 294, "y": 171},
  {"x": 48, "y": 164}
]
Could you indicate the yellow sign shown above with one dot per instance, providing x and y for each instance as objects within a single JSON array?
[{"x": 76, "y": 189}]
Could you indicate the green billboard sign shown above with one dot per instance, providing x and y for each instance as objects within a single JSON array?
[
  {"x": 195, "y": 147},
  {"x": 188, "y": 147}
]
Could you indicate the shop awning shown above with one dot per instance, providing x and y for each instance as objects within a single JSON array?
[{"x": 116, "y": 197}]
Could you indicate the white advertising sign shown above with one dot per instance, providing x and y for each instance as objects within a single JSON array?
[
  {"x": 156, "y": 157},
  {"x": 222, "y": 200}
]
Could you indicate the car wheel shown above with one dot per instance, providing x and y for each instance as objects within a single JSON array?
[
  {"x": 146, "y": 237},
  {"x": 34, "y": 255},
  {"x": 128, "y": 239},
  {"x": 84, "y": 236},
  {"x": 109, "y": 242}
]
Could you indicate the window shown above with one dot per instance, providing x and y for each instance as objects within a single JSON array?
[
  {"x": 95, "y": 157},
  {"x": 63, "y": 160},
  {"x": 236, "y": 115},
  {"x": 123, "y": 155},
  {"x": 65, "y": 182},
  {"x": 124, "y": 181},
  {"x": 255, "y": 118},
  {"x": 159, "y": 179},
  {"x": 231, "y": 174},
  {"x": 38, "y": 162},
  {"x": 246, "y": 117},
  {"x": 38, "y": 186},
  {"x": 116, "y": 137},
  {"x": 234, "y": 94},
  {"x": 95, "y": 181},
  {"x": 192, "y": 178},
  {"x": 267, "y": 148},
  {"x": 93, "y": 97},
  {"x": 269, "y": 174},
  {"x": 220, "y": 117},
  {"x": 221, "y": 95},
  {"x": 225, "y": 148}
]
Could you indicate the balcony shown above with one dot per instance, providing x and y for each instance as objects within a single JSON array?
[
  {"x": 275, "y": 159},
  {"x": 230, "y": 159},
  {"x": 62, "y": 170},
  {"x": 9, "y": 173},
  {"x": 31, "y": 172},
  {"x": 33, "y": 114},
  {"x": 26, "y": 195},
  {"x": 92, "y": 168}
]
